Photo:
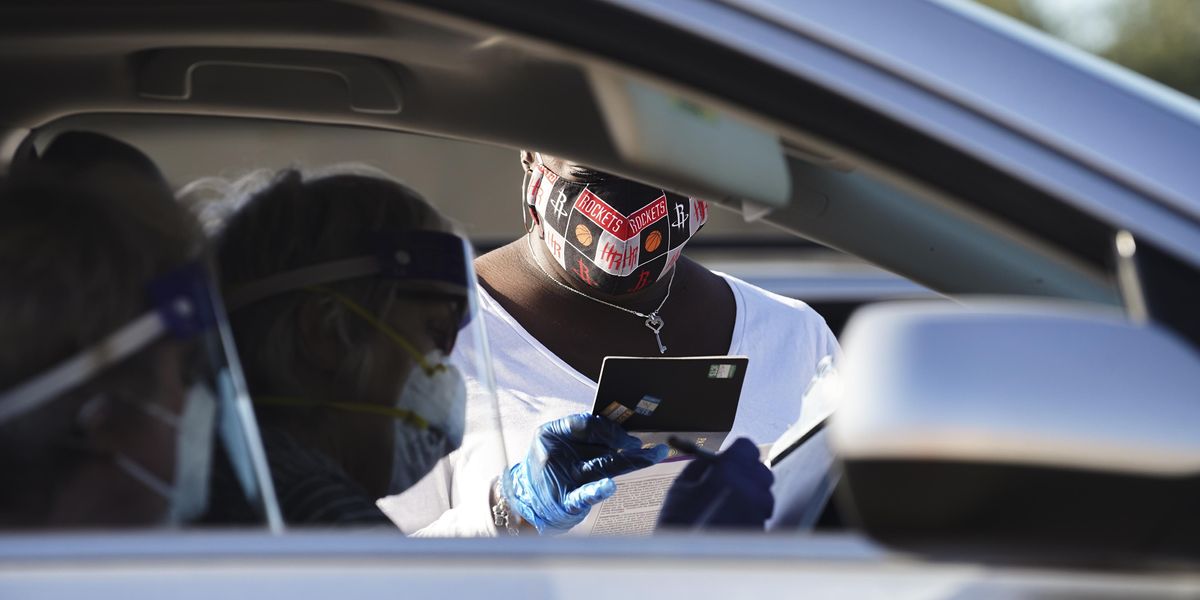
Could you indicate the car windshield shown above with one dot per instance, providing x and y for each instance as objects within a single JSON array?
[{"x": 231, "y": 166}]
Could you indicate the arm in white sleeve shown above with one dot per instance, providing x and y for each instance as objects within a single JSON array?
[{"x": 453, "y": 499}]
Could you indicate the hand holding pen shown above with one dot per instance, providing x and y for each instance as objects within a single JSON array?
[
  {"x": 690, "y": 447},
  {"x": 731, "y": 489}
]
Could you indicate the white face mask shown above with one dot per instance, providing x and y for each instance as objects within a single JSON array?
[
  {"x": 440, "y": 399},
  {"x": 188, "y": 497},
  {"x": 430, "y": 410}
]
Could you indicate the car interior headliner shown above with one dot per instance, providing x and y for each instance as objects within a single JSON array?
[{"x": 409, "y": 68}]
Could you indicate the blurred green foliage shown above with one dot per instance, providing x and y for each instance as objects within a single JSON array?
[
  {"x": 1157, "y": 38},
  {"x": 1022, "y": 10}
]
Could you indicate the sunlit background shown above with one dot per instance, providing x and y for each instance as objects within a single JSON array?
[{"x": 1157, "y": 38}]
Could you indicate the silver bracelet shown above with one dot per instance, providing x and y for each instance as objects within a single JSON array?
[{"x": 501, "y": 515}]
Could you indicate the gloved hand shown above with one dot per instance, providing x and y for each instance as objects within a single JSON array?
[
  {"x": 569, "y": 469},
  {"x": 731, "y": 490}
]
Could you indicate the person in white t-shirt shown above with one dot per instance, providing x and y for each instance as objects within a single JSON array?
[{"x": 600, "y": 273}]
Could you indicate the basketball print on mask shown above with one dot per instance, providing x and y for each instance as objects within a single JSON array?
[
  {"x": 616, "y": 236},
  {"x": 619, "y": 248},
  {"x": 583, "y": 235},
  {"x": 653, "y": 241}
]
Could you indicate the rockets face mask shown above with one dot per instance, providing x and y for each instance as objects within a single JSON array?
[{"x": 613, "y": 235}]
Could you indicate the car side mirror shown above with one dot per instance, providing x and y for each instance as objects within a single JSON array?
[{"x": 1026, "y": 430}]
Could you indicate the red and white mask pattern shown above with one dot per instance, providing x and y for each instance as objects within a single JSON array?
[{"x": 614, "y": 237}]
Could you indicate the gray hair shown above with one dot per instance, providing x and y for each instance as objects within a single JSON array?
[
  {"x": 214, "y": 200},
  {"x": 273, "y": 223}
]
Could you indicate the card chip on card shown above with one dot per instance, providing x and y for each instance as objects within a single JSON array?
[
  {"x": 647, "y": 405},
  {"x": 617, "y": 412}
]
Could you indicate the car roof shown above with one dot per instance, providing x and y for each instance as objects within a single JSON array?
[
  {"x": 1099, "y": 113},
  {"x": 928, "y": 64},
  {"x": 103, "y": 55}
]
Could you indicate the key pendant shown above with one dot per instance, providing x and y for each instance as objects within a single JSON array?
[{"x": 655, "y": 324}]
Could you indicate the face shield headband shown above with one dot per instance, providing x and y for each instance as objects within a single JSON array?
[
  {"x": 429, "y": 410},
  {"x": 420, "y": 261},
  {"x": 182, "y": 308},
  {"x": 607, "y": 238}
]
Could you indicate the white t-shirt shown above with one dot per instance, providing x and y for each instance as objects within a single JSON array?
[{"x": 784, "y": 339}]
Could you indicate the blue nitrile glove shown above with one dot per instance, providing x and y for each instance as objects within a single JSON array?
[
  {"x": 569, "y": 468},
  {"x": 731, "y": 490}
]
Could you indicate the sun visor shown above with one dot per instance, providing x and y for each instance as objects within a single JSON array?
[{"x": 664, "y": 132}]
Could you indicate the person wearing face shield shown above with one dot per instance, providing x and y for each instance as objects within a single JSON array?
[
  {"x": 601, "y": 272},
  {"x": 117, "y": 384},
  {"x": 347, "y": 292}
]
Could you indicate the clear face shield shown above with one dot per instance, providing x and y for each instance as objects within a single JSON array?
[
  {"x": 168, "y": 392},
  {"x": 407, "y": 374}
]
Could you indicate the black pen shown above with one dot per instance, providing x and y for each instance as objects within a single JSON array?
[{"x": 688, "y": 447}]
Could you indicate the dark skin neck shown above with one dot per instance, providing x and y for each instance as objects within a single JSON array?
[{"x": 699, "y": 315}]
